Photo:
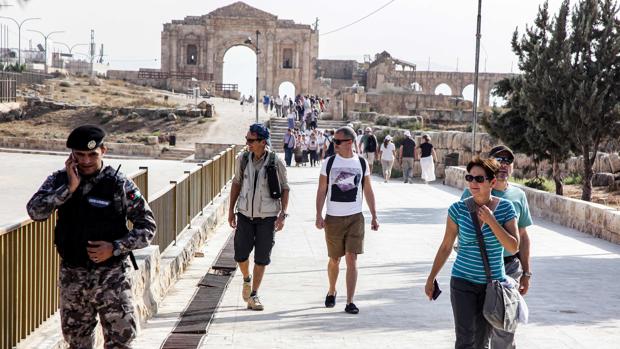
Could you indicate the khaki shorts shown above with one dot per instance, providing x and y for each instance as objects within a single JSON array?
[
  {"x": 370, "y": 157},
  {"x": 344, "y": 234}
]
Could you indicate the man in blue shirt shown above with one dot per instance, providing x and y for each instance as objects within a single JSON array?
[{"x": 517, "y": 266}]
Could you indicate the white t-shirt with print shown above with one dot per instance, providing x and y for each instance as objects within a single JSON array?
[
  {"x": 344, "y": 193},
  {"x": 386, "y": 152}
]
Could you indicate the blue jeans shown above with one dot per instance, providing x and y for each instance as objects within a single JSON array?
[{"x": 288, "y": 156}]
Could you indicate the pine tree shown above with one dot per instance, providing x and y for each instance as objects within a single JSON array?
[
  {"x": 528, "y": 123},
  {"x": 590, "y": 113}
]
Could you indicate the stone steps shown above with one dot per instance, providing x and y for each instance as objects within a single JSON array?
[
  {"x": 279, "y": 126},
  {"x": 176, "y": 154}
]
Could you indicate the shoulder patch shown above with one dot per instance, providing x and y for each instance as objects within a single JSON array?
[{"x": 134, "y": 195}]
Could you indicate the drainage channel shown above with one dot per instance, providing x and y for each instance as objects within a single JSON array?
[{"x": 196, "y": 318}]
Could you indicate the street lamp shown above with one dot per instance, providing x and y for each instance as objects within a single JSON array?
[
  {"x": 46, "y": 37},
  {"x": 19, "y": 35},
  {"x": 248, "y": 41},
  {"x": 475, "y": 107},
  {"x": 70, "y": 48}
]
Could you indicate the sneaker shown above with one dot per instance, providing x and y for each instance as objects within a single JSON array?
[
  {"x": 247, "y": 289},
  {"x": 330, "y": 301},
  {"x": 351, "y": 309},
  {"x": 254, "y": 303}
]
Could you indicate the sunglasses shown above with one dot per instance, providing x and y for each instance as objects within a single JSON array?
[
  {"x": 504, "y": 160},
  {"x": 252, "y": 140},
  {"x": 478, "y": 179},
  {"x": 340, "y": 141}
]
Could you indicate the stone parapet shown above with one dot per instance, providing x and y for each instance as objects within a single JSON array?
[
  {"x": 156, "y": 274},
  {"x": 597, "y": 220},
  {"x": 130, "y": 149},
  {"x": 205, "y": 151}
]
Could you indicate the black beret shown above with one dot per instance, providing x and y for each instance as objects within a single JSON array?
[
  {"x": 86, "y": 137},
  {"x": 502, "y": 149}
]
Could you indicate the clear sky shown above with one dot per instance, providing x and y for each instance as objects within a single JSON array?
[{"x": 414, "y": 30}]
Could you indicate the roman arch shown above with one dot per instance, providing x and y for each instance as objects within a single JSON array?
[
  {"x": 196, "y": 46},
  {"x": 429, "y": 80}
]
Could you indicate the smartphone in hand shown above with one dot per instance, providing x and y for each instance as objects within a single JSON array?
[{"x": 436, "y": 290}]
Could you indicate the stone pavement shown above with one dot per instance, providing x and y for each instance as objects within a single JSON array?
[{"x": 573, "y": 301}]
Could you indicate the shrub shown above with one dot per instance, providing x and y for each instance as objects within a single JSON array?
[
  {"x": 64, "y": 84},
  {"x": 574, "y": 178},
  {"x": 382, "y": 120}
]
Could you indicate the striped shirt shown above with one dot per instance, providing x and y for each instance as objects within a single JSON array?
[{"x": 468, "y": 264}]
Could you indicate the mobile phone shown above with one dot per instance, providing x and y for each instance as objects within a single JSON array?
[{"x": 436, "y": 290}]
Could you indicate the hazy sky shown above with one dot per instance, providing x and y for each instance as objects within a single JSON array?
[{"x": 413, "y": 30}]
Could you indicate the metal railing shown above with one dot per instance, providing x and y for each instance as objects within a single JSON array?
[
  {"x": 29, "y": 264},
  {"x": 226, "y": 87},
  {"x": 8, "y": 90}
]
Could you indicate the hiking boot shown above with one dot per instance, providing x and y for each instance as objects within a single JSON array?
[
  {"x": 254, "y": 303},
  {"x": 247, "y": 289},
  {"x": 351, "y": 309},
  {"x": 330, "y": 301}
]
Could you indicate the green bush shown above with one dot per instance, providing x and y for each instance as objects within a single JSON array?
[
  {"x": 574, "y": 178},
  {"x": 64, "y": 84},
  {"x": 540, "y": 184},
  {"x": 382, "y": 121}
]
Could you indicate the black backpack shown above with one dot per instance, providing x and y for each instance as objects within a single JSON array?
[
  {"x": 270, "y": 171},
  {"x": 371, "y": 145},
  {"x": 330, "y": 149}
]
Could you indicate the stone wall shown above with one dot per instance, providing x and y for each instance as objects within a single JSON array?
[
  {"x": 404, "y": 103},
  {"x": 156, "y": 274},
  {"x": 595, "y": 219},
  {"x": 206, "y": 151},
  {"x": 130, "y": 149},
  {"x": 336, "y": 69}
]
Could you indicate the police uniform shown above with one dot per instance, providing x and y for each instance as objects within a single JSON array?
[{"x": 97, "y": 210}]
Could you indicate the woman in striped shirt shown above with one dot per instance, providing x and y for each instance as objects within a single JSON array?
[{"x": 468, "y": 283}]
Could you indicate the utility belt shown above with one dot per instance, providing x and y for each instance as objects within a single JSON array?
[{"x": 510, "y": 259}]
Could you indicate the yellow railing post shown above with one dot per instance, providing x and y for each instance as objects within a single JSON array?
[
  {"x": 175, "y": 210},
  {"x": 145, "y": 190}
]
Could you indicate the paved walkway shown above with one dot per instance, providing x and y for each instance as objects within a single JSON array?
[{"x": 573, "y": 301}]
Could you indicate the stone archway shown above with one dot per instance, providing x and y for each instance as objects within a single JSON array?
[{"x": 287, "y": 51}]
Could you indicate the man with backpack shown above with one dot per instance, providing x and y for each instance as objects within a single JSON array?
[
  {"x": 260, "y": 194},
  {"x": 369, "y": 145},
  {"x": 344, "y": 180},
  {"x": 328, "y": 144}
]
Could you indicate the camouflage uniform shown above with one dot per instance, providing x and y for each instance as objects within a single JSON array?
[{"x": 104, "y": 289}]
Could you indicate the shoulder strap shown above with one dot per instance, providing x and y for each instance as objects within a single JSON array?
[
  {"x": 272, "y": 159},
  {"x": 328, "y": 167},
  {"x": 473, "y": 212},
  {"x": 244, "y": 161},
  {"x": 363, "y": 164}
]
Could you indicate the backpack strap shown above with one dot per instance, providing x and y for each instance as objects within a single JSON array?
[
  {"x": 328, "y": 168},
  {"x": 363, "y": 164},
  {"x": 245, "y": 158}
]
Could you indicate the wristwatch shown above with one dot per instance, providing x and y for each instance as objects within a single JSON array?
[
  {"x": 116, "y": 250},
  {"x": 283, "y": 215},
  {"x": 527, "y": 273}
]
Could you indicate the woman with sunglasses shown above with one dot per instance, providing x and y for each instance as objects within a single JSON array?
[{"x": 497, "y": 217}]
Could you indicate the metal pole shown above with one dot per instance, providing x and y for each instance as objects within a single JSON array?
[
  {"x": 19, "y": 35},
  {"x": 475, "y": 107},
  {"x": 257, "y": 58}
]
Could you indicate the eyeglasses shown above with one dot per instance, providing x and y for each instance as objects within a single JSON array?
[
  {"x": 252, "y": 140},
  {"x": 478, "y": 179},
  {"x": 340, "y": 141},
  {"x": 504, "y": 160}
]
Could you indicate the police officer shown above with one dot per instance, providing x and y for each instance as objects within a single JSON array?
[{"x": 94, "y": 203}]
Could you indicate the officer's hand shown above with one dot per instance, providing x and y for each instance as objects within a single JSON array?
[
  {"x": 232, "y": 220},
  {"x": 72, "y": 173},
  {"x": 320, "y": 222},
  {"x": 99, "y": 251}
]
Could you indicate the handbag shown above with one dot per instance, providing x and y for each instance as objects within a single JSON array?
[{"x": 501, "y": 301}]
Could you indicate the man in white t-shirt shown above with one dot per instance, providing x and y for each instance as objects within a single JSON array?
[{"x": 345, "y": 179}]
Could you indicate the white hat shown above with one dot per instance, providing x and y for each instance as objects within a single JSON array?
[
  {"x": 407, "y": 134},
  {"x": 388, "y": 137},
  {"x": 368, "y": 129}
]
